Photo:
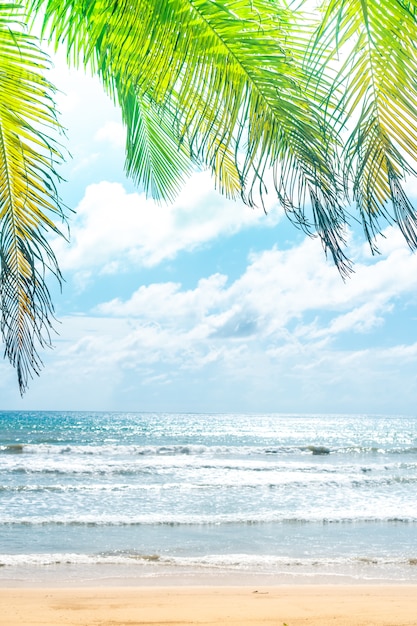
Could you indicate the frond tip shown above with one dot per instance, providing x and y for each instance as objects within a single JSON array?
[{"x": 28, "y": 197}]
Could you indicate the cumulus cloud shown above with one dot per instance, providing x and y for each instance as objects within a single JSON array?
[
  {"x": 167, "y": 301},
  {"x": 114, "y": 230},
  {"x": 279, "y": 337},
  {"x": 285, "y": 317},
  {"x": 277, "y": 289}
]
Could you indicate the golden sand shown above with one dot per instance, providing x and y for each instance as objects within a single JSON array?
[{"x": 181, "y": 606}]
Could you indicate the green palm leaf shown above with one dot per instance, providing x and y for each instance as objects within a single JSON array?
[
  {"x": 154, "y": 156},
  {"x": 159, "y": 158},
  {"x": 28, "y": 198},
  {"x": 376, "y": 86},
  {"x": 224, "y": 68}
]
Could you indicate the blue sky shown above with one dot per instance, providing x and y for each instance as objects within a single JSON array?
[{"x": 206, "y": 305}]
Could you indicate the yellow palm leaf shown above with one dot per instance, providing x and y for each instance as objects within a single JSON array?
[{"x": 28, "y": 199}]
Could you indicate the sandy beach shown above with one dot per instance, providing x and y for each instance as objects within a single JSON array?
[{"x": 244, "y": 606}]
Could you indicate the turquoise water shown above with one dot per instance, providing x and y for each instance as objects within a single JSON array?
[{"x": 285, "y": 497}]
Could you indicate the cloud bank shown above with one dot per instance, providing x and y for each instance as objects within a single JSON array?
[{"x": 286, "y": 334}]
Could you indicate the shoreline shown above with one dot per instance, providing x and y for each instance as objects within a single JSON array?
[
  {"x": 149, "y": 574},
  {"x": 254, "y": 605}
]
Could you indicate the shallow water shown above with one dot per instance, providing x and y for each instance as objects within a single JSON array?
[{"x": 284, "y": 496}]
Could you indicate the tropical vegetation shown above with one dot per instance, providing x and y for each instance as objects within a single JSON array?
[{"x": 315, "y": 104}]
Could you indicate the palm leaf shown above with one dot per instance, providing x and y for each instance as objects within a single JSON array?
[
  {"x": 154, "y": 156},
  {"x": 227, "y": 72},
  {"x": 376, "y": 87},
  {"x": 28, "y": 199}
]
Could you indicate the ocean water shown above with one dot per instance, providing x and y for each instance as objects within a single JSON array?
[{"x": 148, "y": 497}]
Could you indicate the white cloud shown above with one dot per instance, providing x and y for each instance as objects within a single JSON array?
[
  {"x": 271, "y": 330},
  {"x": 278, "y": 288},
  {"x": 270, "y": 340},
  {"x": 266, "y": 341},
  {"x": 150, "y": 367},
  {"x": 113, "y": 133},
  {"x": 361, "y": 319},
  {"x": 167, "y": 301},
  {"x": 80, "y": 98},
  {"x": 114, "y": 230}
]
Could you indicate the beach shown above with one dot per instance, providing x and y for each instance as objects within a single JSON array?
[
  {"x": 298, "y": 605},
  {"x": 125, "y": 519}
]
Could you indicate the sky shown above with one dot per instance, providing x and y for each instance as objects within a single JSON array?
[{"x": 207, "y": 305}]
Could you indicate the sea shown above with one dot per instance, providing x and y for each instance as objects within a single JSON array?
[{"x": 167, "y": 498}]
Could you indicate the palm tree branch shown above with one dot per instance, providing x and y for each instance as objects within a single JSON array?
[
  {"x": 376, "y": 86},
  {"x": 232, "y": 56},
  {"x": 28, "y": 199}
]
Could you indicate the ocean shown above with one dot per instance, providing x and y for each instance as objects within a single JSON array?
[{"x": 207, "y": 498}]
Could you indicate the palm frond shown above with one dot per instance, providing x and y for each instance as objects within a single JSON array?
[
  {"x": 226, "y": 70},
  {"x": 28, "y": 197},
  {"x": 154, "y": 156},
  {"x": 374, "y": 45}
]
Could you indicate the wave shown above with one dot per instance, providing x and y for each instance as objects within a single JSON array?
[
  {"x": 96, "y": 474},
  {"x": 196, "y": 484},
  {"x": 215, "y": 561},
  {"x": 73, "y": 558},
  {"x": 14, "y": 448},
  {"x": 202, "y": 520},
  {"x": 201, "y": 450}
]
